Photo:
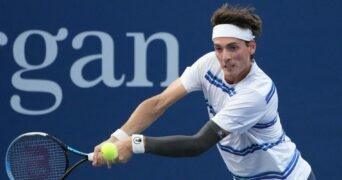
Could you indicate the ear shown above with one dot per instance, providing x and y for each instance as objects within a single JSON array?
[{"x": 252, "y": 47}]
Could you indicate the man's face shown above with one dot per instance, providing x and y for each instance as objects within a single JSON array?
[{"x": 234, "y": 56}]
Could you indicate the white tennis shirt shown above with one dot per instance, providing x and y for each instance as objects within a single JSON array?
[{"x": 257, "y": 146}]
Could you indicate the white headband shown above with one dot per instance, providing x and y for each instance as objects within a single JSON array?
[{"x": 230, "y": 30}]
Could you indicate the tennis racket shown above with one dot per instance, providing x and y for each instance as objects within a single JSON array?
[{"x": 37, "y": 155}]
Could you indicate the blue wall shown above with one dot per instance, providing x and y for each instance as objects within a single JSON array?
[{"x": 300, "y": 49}]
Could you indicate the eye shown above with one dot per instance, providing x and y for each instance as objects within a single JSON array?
[
  {"x": 232, "y": 48},
  {"x": 218, "y": 49}
]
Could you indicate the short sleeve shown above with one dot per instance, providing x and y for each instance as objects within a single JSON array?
[
  {"x": 191, "y": 77},
  {"x": 242, "y": 112}
]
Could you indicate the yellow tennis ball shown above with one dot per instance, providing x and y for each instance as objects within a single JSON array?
[{"x": 109, "y": 151}]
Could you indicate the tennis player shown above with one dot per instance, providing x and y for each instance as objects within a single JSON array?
[{"x": 242, "y": 103}]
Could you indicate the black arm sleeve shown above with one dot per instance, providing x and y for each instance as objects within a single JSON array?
[{"x": 186, "y": 146}]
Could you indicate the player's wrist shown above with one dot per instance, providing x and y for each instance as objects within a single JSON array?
[
  {"x": 138, "y": 144},
  {"x": 120, "y": 135}
]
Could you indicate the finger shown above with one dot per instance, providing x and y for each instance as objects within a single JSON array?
[
  {"x": 96, "y": 156},
  {"x": 95, "y": 160},
  {"x": 100, "y": 161},
  {"x": 109, "y": 164}
]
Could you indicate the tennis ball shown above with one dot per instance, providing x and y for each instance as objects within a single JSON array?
[{"x": 109, "y": 151}]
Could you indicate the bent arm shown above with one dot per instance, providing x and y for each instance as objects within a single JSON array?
[
  {"x": 186, "y": 146},
  {"x": 149, "y": 110}
]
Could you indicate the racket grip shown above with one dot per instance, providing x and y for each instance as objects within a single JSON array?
[{"x": 90, "y": 156}]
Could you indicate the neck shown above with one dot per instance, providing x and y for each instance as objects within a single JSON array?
[{"x": 239, "y": 77}]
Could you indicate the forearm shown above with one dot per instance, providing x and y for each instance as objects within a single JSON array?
[
  {"x": 175, "y": 146},
  {"x": 151, "y": 109},
  {"x": 144, "y": 115},
  {"x": 183, "y": 146}
]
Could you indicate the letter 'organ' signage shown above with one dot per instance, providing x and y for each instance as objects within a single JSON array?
[{"x": 106, "y": 56}]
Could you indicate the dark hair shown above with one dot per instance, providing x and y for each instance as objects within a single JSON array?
[{"x": 241, "y": 17}]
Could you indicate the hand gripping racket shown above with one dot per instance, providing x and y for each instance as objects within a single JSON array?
[{"x": 37, "y": 155}]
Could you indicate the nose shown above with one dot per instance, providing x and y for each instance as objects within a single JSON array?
[{"x": 226, "y": 55}]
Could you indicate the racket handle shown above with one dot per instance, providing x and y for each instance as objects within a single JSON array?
[{"x": 90, "y": 156}]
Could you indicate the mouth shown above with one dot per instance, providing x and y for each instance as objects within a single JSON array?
[{"x": 228, "y": 66}]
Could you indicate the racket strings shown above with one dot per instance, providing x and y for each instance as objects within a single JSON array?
[{"x": 37, "y": 157}]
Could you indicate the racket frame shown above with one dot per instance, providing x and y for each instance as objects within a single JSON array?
[{"x": 66, "y": 148}]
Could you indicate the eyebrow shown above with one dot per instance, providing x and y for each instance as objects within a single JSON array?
[{"x": 226, "y": 45}]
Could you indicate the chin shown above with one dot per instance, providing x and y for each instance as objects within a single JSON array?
[{"x": 228, "y": 74}]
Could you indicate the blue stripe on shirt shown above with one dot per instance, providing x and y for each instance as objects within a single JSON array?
[
  {"x": 270, "y": 93},
  {"x": 272, "y": 174},
  {"x": 266, "y": 125},
  {"x": 252, "y": 148},
  {"x": 212, "y": 79},
  {"x": 210, "y": 107}
]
